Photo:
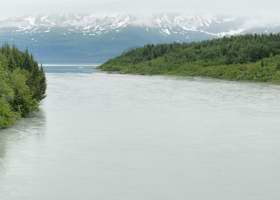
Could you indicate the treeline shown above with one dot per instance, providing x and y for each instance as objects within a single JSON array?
[
  {"x": 22, "y": 85},
  {"x": 245, "y": 57}
]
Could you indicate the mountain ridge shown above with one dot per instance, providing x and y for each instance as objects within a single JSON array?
[
  {"x": 95, "y": 24},
  {"x": 95, "y": 38}
]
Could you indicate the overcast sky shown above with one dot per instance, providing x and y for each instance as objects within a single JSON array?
[{"x": 10, "y": 8}]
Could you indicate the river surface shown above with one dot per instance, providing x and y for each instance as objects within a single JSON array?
[{"x": 105, "y": 136}]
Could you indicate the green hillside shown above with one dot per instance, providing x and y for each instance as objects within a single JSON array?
[
  {"x": 22, "y": 85},
  {"x": 247, "y": 57}
]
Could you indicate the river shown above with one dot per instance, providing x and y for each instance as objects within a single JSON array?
[{"x": 125, "y": 137}]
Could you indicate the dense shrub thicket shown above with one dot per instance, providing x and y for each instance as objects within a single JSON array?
[
  {"x": 22, "y": 85},
  {"x": 246, "y": 57}
]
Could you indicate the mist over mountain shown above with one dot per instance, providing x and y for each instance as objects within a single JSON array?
[{"x": 96, "y": 38}]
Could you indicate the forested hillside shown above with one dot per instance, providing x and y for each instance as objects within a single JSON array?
[
  {"x": 247, "y": 57},
  {"x": 22, "y": 85}
]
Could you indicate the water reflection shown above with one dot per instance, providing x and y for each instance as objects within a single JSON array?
[{"x": 33, "y": 126}]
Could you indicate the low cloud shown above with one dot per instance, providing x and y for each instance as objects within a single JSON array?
[{"x": 268, "y": 8}]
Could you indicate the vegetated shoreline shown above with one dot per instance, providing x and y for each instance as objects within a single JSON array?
[
  {"x": 22, "y": 85},
  {"x": 248, "y": 58}
]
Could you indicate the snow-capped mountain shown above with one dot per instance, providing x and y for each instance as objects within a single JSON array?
[
  {"x": 100, "y": 24},
  {"x": 95, "y": 38}
]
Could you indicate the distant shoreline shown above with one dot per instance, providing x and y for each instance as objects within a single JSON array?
[
  {"x": 237, "y": 58},
  {"x": 70, "y": 65}
]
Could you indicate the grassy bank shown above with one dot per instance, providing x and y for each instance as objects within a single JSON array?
[{"x": 247, "y": 58}]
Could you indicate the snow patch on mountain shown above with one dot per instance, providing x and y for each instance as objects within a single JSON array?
[{"x": 166, "y": 24}]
